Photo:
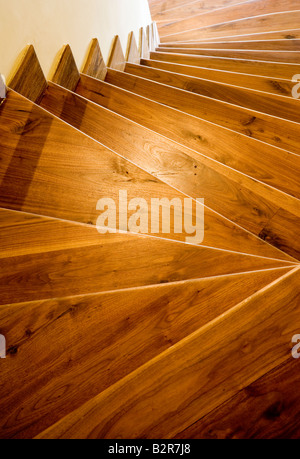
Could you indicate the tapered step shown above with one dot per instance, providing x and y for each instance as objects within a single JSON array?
[
  {"x": 49, "y": 168},
  {"x": 224, "y": 11},
  {"x": 288, "y": 34},
  {"x": 65, "y": 259},
  {"x": 164, "y": 9},
  {"x": 87, "y": 343},
  {"x": 195, "y": 376},
  {"x": 220, "y": 112},
  {"x": 276, "y": 86},
  {"x": 200, "y": 135},
  {"x": 186, "y": 170},
  {"x": 292, "y": 57},
  {"x": 271, "y": 45},
  {"x": 282, "y": 106},
  {"x": 281, "y": 21},
  {"x": 262, "y": 410},
  {"x": 252, "y": 67}
]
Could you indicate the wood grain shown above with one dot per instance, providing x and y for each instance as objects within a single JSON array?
[
  {"x": 66, "y": 73},
  {"x": 247, "y": 202},
  {"x": 49, "y": 168},
  {"x": 214, "y": 141},
  {"x": 111, "y": 335},
  {"x": 271, "y": 45},
  {"x": 241, "y": 11},
  {"x": 267, "y": 409},
  {"x": 195, "y": 376},
  {"x": 280, "y": 105},
  {"x": 116, "y": 59},
  {"x": 94, "y": 65},
  {"x": 261, "y": 24},
  {"x": 28, "y": 78},
  {"x": 221, "y": 112},
  {"x": 260, "y": 55},
  {"x": 255, "y": 67},
  {"x": 261, "y": 83},
  {"x": 143, "y": 45},
  {"x": 132, "y": 52}
]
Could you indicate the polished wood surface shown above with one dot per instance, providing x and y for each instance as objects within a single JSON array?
[
  {"x": 116, "y": 59},
  {"x": 261, "y": 83},
  {"x": 66, "y": 73},
  {"x": 261, "y": 55},
  {"x": 192, "y": 378},
  {"x": 95, "y": 122},
  {"x": 132, "y": 52},
  {"x": 94, "y": 65},
  {"x": 225, "y": 114},
  {"x": 123, "y": 332},
  {"x": 28, "y": 78},
  {"x": 261, "y": 24},
  {"x": 250, "y": 9},
  {"x": 279, "y": 45},
  {"x": 252, "y": 67}
]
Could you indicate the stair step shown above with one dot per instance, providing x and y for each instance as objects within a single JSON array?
[
  {"x": 194, "y": 12},
  {"x": 291, "y": 57},
  {"x": 177, "y": 166},
  {"x": 214, "y": 141},
  {"x": 262, "y": 410},
  {"x": 87, "y": 343},
  {"x": 159, "y": 9},
  {"x": 90, "y": 262},
  {"x": 195, "y": 376},
  {"x": 252, "y": 67},
  {"x": 50, "y": 168},
  {"x": 271, "y": 45},
  {"x": 249, "y": 25},
  {"x": 220, "y": 112},
  {"x": 281, "y": 105},
  {"x": 260, "y": 83},
  {"x": 288, "y": 34}
]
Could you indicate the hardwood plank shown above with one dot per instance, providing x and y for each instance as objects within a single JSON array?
[
  {"x": 143, "y": 45},
  {"x": 27, "y": 78},
  {"x": 246, "y": 202},
  {"x": 112, "y": 334},
  {"x": 160, "y": 10},
  {"x": 243, "y": 11},
  {"x": 282, "y": 106},
  {"x": 49, "y": 168},
  {"x": 207, "y": 138},
  {"x": 260, "y": 24},
  {"x": 196, "y": 375},
  {"x": 267, "y": 409},
  {"x": 66, "y": 73},
  {"x": 269, "y": 69},
  {"x": 113, "y": 262},
  {"x": 116, "y": 59},
  {"x": 221, "y": 112},
  {"x": 262, "y": 55},
  {"x": 132, "y": 52},
  {"x": 94, "y": 65},
  {"x": 271, "y": 45},
  {"x": 258, "y": 82},
  {"x": 288, "y": 34}
]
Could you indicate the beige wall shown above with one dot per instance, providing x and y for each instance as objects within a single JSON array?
[{"x": 49, "y": 24}]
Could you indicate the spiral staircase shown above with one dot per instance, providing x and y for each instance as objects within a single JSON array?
[{"x": 131, "y": 335}]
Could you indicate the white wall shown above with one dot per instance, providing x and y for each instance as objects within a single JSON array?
[{"x": 50, "y": 24}]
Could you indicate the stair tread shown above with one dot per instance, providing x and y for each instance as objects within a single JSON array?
[
  {"x": 111, "y": 335},
  {"x": 196, "y": 375}
]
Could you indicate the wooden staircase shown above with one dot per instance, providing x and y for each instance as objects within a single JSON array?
[{"x": 138, "y": 335}]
